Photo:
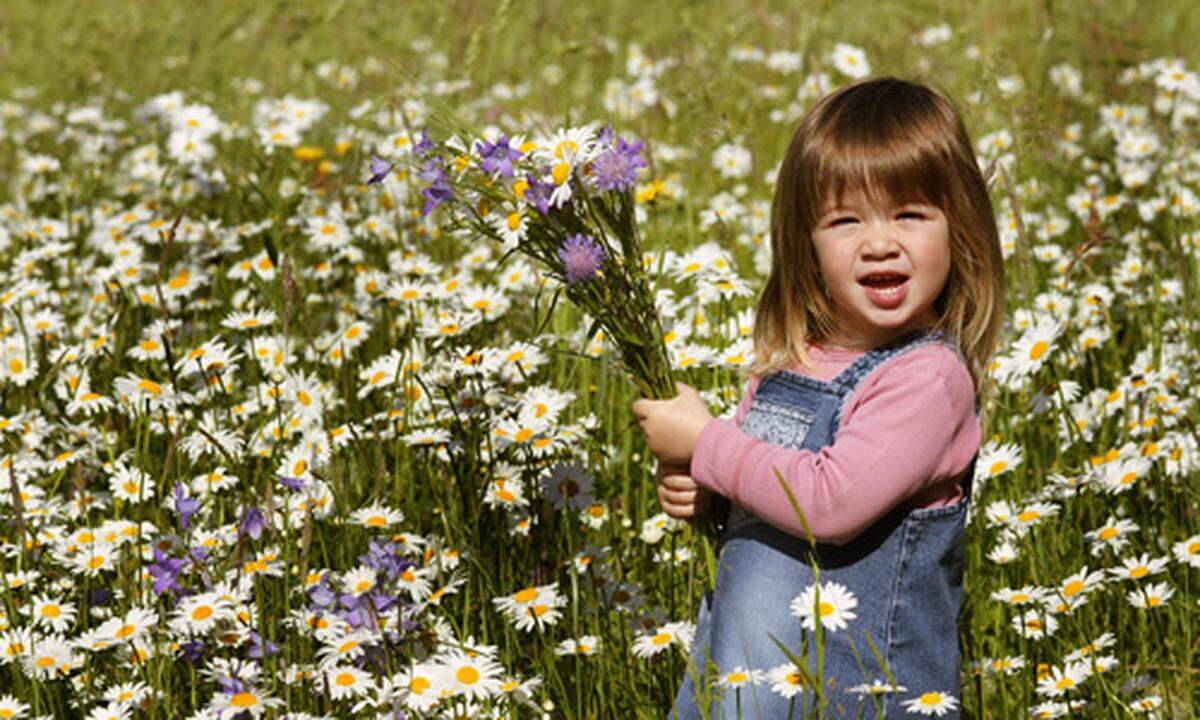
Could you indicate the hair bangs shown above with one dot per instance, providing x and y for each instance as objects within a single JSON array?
[{"x": 894, "y": 151}]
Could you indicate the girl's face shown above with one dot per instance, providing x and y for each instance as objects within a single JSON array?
[{"x": 884, "y": 264}]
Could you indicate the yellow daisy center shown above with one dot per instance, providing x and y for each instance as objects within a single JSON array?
[{"x": 244, "y": 700}]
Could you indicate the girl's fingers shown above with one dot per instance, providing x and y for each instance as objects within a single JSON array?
[
  {"x": 679, "y": 497},
  {"x": 678, "y": 482},
  {"x": 676, "y": 496},
  {"x": 682, "y": 508},
  {"x": 671, "y": 505},
  {"x": 683, "y": 512}
]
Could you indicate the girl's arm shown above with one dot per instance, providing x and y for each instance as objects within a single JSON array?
[{"x": 909, "y": 426}]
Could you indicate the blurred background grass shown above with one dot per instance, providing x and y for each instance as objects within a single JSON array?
[{"x": 68, "y": 49}]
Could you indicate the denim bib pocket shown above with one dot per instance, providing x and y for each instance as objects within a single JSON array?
[{"x": 777, "y": 424}]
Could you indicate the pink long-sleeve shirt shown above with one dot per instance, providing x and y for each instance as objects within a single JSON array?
[{"x": 907, "y": 435}]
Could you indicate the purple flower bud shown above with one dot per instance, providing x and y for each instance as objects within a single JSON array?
[
  {"x": 252, "y": 523},
  {"x": 423, "y": 145},
  {"x": 191, "y": 651},
  {"x": 230, "y": 685},
  {"x": 605, "y": 136},
  {"x": 291, "y": 483},
  {"x": 166, "y": 570},
  {"x": 538, "y": 194},
  {"x": 379, "y": 169},
  {"x": 439, "y": 190},
  {"x": 260, "y": 647},
  {"x": 185, "y": 507}
]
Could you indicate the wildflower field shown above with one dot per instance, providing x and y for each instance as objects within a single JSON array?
[{"x": 279, "y": 441}]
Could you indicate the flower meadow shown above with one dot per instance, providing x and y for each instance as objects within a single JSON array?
[{"x": 281, "y": 438}]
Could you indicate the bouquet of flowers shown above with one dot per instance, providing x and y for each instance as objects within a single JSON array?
[{"x": 566, "y": 202}]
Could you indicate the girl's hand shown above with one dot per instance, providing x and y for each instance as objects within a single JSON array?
[
  {"x": 672, "y": 426},
  {"x": 679, "y": 495}
]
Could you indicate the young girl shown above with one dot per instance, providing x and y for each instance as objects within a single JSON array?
[{"x": 880, "y": 314}]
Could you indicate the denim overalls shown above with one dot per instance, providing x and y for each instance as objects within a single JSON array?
[{"x": 905, "y": 571}]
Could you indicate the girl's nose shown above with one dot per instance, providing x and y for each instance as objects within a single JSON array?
[{"x": 879, "y": 241}]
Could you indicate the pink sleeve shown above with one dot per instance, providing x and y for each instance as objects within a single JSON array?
[{"x": 909, "y": 425}]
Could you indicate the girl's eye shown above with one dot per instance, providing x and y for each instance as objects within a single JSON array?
[
  {"x": 841, "y": 221},
  {"x": 912, "y": 215}
]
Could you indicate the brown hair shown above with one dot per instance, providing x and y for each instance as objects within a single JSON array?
[{"x": 894, "y": 139}]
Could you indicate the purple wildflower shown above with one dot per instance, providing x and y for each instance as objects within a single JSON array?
[
  {"x": 357, "y": 613},
  {"x": 322, "y": 595},
  {"x": 497, "y": 156},
  {"x": 191, "y": 651},
  {"x": 384, "y": 557},
  {"x": 291, "y": 483},
  {"x": 379, "y": 169},
  {"x": 260, "y": 647},
  {"x": 185, "y": 506},
  {"x": 382, "y": 600},
  {"x": 616, "y": 168},
  {"x": 423, "y": 145},
  {"x": 231, "y": 685},
  {"x": 252, "y": 523},
  {"x": 439, "y": 190},
  {"x": 606, "y": 135},
  {"x": 538, "y": 194},
  {"x": 198, "y": 555},
  {"x": 166, "y": 570},
  {"x": 581, "y": 257}
]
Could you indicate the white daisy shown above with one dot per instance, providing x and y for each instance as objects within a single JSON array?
[
  {"x": 832, "y": 602},
  {"x": 11, "y": 707},
  {"x": 996, "y": 459},
  {"x": 876, "y": 687},
  {"x": 1035, "y": 346},
  {"x": 931, "y": 703},
  {"x": 1151, "y": 596},
  {"x": 473, "y": 675},
  {"x": 377, "y": 515},
  {"x": 53, "y": 613},
  {"x": 347, "y": 681},
  {"x": 423, "y": 685},
  {"x": 786, "y": 679},
  {"x": 1188, "y": 551},
  {"x": 1113, "y": 534},
  {"x": 1136, "y": 568},
  {"x": 740, "y": 677},
  {"x": 532, "y": 607},
  {"x": 585, "y": 645},
  {"x": 1035, "y": 623},
  {"x": 850, "y": 61},
  {"x": 652, "y": 642}
]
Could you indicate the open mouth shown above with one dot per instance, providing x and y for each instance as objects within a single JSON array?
[
  {"x": 886, "y": 290},
  {"x": 884, "y": 281}
]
